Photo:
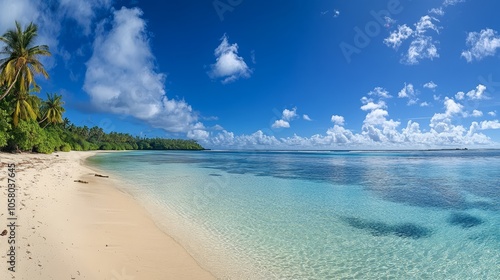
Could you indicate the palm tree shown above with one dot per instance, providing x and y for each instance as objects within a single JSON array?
[
  {"x": 25, "y": 107},
  {"x": 21, "y": 62},
  {"x": 52, "y": 109},
  {"x": 66, "y": 123}
]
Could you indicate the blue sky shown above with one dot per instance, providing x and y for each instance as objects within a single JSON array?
[{"x": 236, "y": 74}]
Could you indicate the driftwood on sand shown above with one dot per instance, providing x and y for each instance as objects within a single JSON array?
[
  {"x": 103, "y": 176},
  {"x": 80, "y": 181}
]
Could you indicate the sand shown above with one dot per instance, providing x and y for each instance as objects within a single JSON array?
[{"x": 71, "y": 230}]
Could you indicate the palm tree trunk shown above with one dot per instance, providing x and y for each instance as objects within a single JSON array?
[
  {"x": 43, "y": 120},
  {"x": 15, "y": 79}
]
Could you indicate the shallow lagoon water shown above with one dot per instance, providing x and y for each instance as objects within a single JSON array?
[{"x": 324, "y": 215}]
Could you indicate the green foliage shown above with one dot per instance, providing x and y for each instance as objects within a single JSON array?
[
  {"x": 50, "y": 142},
  {"x": 26, "y": 135},
  {"x": 106, "y": 146},
  {"x": 52, "y": 109},
  {"x": 65, "y": 147},
  {"x": 4, "y": 128}
]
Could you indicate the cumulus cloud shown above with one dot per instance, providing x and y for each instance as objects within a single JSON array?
[
  {"x": 289, "y": 115},
  {"x": 121, "y": 77},
  {"x": 255, "y": 140},
  {"x": 492, "y": 113},
  {"x": 422, "y": 46},
  {"x": 396, "y": 38},
  {"x": 481, "y": 44},
  {"x": 281, "y": 124},
  {"x": 477, "y": 113},
  {"x": 485, "y": 125},
  {"x": 198, "y": 134},
  {"x": 338, "y": 120},
  {"x": 430, "y": 85},
  {"x": 425, "y": 23},
  {"x": 370, "y": 105},
  {"x": 228, "y": 67},
  {"x": 478, "y": 93},
  {"x": 286, "y": 117},
  {"x": 380, "y": 92},
  {"x": 409, "y": 92}
]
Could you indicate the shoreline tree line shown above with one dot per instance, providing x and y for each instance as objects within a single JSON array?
[{"x": 29, "y": 123}]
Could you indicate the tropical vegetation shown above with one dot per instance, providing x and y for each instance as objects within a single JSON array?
[{"x": 29, "y": 123}]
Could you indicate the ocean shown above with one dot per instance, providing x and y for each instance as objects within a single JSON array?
[{"x": 323, "y": 215}]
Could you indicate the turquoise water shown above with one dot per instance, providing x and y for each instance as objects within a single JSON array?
[{"x": 324, "y": 215}]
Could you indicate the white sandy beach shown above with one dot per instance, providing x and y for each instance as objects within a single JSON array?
[{"x": 72, "y": 230}]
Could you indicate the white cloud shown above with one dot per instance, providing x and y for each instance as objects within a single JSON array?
[
  {"x": 83, "y": 11},
  {"x": 369, "y": 106},
  {"x": 477, "y": 113},
  {"x": 425, "y": 23},
  {"x": 421, "y": 46},
  {"x": 442, "y": 122},
  {"x": 452, "y": 107},
  {"x": 430, "y": 85},
  {"x": 258, "y": 139},
  {"x": 437, "y": 11},
  {"x": 452, "y": 2},
  {"x": 286, "y": 117},
  {"x": 492, "y": 113},
  {"x": 380, "y": 92},
  {"x": 485, "y": 125},
  {"x": 424, "y": 104},
  {"x": 306, "y": 117},
  {"x": 281, "y": 124},
  {"x": 481, "y": 44},
  {"x": 289, "y": 115},
  {"x": 460, "y": 95},
  {"x": 198, "y": 134},
  {"x": 396, "y": 38},
  {"x": 338, "y": 120},
  {"x": 408, "y": 91},
  {"x": 218, "y": 127},
  {"x": 228, "y": 66},
  {"x": 121, "y": 77},
  {"x": 336, "y": 13},
  {"x": 478, "y": 93}
]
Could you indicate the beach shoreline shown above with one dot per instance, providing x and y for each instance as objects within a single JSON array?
[{"x": 90, "y": 229}]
